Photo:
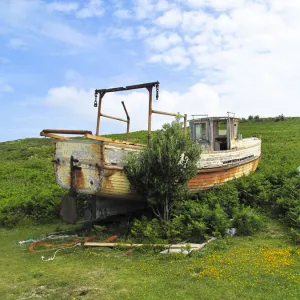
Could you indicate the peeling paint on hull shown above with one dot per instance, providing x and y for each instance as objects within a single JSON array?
[
  {"x": 97, "y": 168},
  {"x": 209, "y": 178}
]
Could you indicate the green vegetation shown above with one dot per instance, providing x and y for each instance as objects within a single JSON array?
[
  {"x": 161, "y": 171},
  {"x": 28, "y": 190},
  {"x": 263, "y": 266},
  {"x": 272, "y": 192}
]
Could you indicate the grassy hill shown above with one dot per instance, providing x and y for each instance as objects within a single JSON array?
[
  {"x": 263, "y": 266},
  {"x": 28, "y": 189}
]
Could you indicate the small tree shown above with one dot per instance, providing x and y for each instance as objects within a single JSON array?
[{"x": 161, "y": 171}]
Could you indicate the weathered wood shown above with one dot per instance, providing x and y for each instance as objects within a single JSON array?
[
  {"x": 104, "y": 139},
  {"x": 174, "y": 246},
  {"x": 54, "y": 136}
]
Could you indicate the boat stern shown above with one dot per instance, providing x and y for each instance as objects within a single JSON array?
[{"x": 77, "y": 165}]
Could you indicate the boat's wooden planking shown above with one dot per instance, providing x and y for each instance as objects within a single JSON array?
[
  {"x": 208, "y": 178},
  {"x": 97, "y": 167}
]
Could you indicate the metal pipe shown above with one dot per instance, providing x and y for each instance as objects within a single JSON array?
[
  {"x": 101, "y": 95},
  {"x": 149, "y": 113},
  {"x": 127, "y": 130},
  {"x": 129, "y": 87},
  {"x": 114, "y": 118},
  {"x": 229, "y": 132},
  {"x": 66, "y": 131},
  {"x": 128, "y": 121},
  {"x": 165, "y": 113}
]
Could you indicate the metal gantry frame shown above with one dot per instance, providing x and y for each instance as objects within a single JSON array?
[
  {"x": 98, "y": 103},
  {"x": 149, "y": 86}
]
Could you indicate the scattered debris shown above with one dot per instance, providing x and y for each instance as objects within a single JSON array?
[
  {"x": 48, "y": 237},
  {"x": 75, "y": 241},
  {"x": 110, "y": 239},
  {"x": 46, "y": 245},
  {"x": 21, "y": 243},
  {"x": 231, "y": 231},
  {"x": 58, "y": 237},
  {"x": 188, "y": 248},
  {"x": 53, "y": 257},
  {"x": 168, "y": 246}
]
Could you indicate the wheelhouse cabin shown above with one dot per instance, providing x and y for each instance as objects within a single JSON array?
[{"x": 215, "y": 133}]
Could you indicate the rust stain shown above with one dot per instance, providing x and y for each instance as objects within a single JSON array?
[
  {"x": 205, "y": 180},
  {"x": 94, "y": 173},
  {"x": 78, "y": 178}
]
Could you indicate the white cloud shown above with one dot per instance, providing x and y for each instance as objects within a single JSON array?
[
  {"x": 198, "y": 98},
  {"x": 145, "y": 32},
  {"x": 176, "y": 56},
  {"x": 170, "y": 19},
  {"x": 144, "y": 9},
  {"x": 92, "y": 9},
  {"x": 66, "y": 34},
  {"x": 243, "y": 54},
  {"x": 122, "y": 33},
  {"x": 17, "y": 43},
  {"x": 217, "y": 5},
  {"x": 164, "y": 41},
  {"x": 248, "y": 51},
  {"x": 162, "y": 5},
  {"x": 32, "y": 19},
  {"x": 193, "y": 21},
  {"x": 65, "y": 7},
  {"x": 122, "y": 14}
]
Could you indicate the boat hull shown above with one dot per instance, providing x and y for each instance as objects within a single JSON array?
[
  {"x": 97, "y": 168},
  {"x": 208, "y": 178}
]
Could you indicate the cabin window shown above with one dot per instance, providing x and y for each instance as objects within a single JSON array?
[
  {"x": 200, "y": 131},
  {"x": 235, "y": 130},
  {"x": 222, "y": 128}
]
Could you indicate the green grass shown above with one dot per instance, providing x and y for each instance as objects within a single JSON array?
[
  {"x": 280, "y": 143},
  {"x": 28, "y": 189},
  {"x": 265, "y": 266}
]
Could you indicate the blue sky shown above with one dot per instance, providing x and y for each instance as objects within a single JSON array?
[{"x": 211, "y": 56}]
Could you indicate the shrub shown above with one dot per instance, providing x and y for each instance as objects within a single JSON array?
[
  {"x": 294, "y": 236},
  {"x": 161, "y": 171},
  {"x": 247, "y": 221},
  {"x": 150, "y": 230},
  {"x": 253, "y": 190}
]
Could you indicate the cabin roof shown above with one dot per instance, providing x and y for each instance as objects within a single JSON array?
[{"x": 213, "y": 119}]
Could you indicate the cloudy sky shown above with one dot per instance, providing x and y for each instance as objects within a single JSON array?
[{"x": 210, "y": 56}]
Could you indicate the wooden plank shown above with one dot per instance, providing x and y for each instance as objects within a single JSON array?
[
  {"x": 97, "y": 137},
  {"x": 176, "y": 246},
  {"x": 104, "y": 139},
  {"x": 54, "y": 136}
]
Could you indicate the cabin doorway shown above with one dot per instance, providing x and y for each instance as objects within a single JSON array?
[
  {"x": 221, "y": 144},
  {"x": 220, "y": 141}
]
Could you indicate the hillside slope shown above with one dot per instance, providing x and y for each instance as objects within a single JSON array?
[{"x": 28, "y": 188}]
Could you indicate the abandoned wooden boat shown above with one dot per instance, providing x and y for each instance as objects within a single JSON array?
[{"x": 95, "y": 166}]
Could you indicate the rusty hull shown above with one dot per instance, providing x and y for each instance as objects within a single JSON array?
[
  {"x": 97, "y": 167},
  {"x": 93, "y": 168},
  {"x": 209, "y": 178}
]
